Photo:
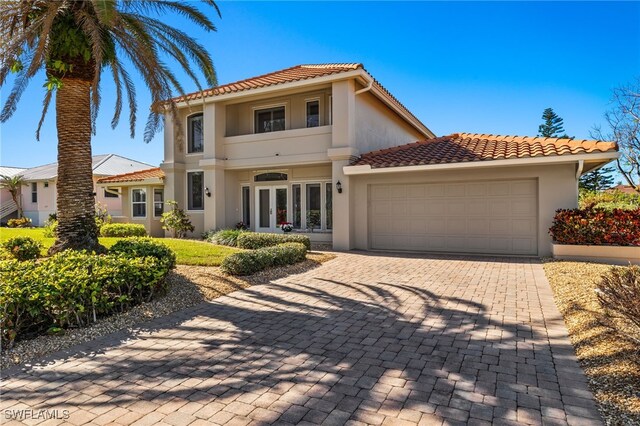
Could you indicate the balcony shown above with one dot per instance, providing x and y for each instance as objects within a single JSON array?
[{"x": 296, "y": 146}]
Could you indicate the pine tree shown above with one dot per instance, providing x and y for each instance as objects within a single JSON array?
[
  {"x": 553, "y": 125},
  {"x": 597, "y": 180}
]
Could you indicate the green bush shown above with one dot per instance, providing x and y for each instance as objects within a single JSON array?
[
  {"x": 72, "y": 289},
  {"x": 608, "y": 200},
  {"x": 22, "y": 248},
  {"x": 250, "y": 262},
  {"x": 226, "y": 237},
  {"x": 176, "y": 221},
  {"x": 50, "y": 227},
  {"x": 123, "y": 230},
  {"x": 256, "y": 240},
  {"x": 144, "y": 247},
  {"x": 23, "y": 222}
]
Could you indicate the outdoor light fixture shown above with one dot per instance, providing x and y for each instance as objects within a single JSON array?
[
  {"x": 207, "y": 192},
  {"x": 339, "y": 187}
]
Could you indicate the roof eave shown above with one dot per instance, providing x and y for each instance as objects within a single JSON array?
[
  {"x": 142, "y": 182},
  {"x": 599, "y": 157}
]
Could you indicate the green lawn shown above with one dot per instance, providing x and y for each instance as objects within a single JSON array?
[{"x": 188, "y": 252}]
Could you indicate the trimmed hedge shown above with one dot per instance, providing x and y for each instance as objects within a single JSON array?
[
  {"x": 123, "y": 230},
  {"x": 596, "y": 227},
  {"x": 73, "y": 289},
  {"x": 144, "y": 247},
  {"x": 22, "y": 248},
  {"x": 257, "y": 240},
  {"x": 250, "y": 262}
]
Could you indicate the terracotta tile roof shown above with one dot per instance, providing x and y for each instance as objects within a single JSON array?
[
  {"x": 139, "y": 176},
  {"x": 466, "y": 147},
  {"x": 288, "y": 75}
]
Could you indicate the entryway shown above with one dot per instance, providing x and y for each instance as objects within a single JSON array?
[{"x": 271, "y": 207}]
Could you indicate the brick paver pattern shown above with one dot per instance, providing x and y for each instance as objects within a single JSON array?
[{"x": 363, "y": 339}]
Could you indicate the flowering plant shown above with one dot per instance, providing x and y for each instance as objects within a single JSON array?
[{"x": 286, "y": 226}]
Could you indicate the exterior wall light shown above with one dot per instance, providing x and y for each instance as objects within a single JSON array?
[
  {"x": 207, "y": 192},
  {"x": 339, "y": 187}
]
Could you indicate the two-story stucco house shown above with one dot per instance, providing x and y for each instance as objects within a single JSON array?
[{"x": 328, "y": 149}]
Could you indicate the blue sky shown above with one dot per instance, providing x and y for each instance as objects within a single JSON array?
[{"x": 458, "y": 66}]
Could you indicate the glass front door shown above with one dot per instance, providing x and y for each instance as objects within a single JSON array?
[{"x": 271, "y": 208}]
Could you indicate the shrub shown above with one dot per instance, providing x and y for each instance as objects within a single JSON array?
[
  {"x": 609, "y": 200},
  {"x": 226, "y": 237},
  {"x": 250, "y": 262},
  {"x": 256, "y": 240},
  {"x": 50, "y": 227},
  {"x": 596, "y": 227},
  {"x": 123, "y": 230},
  {"x": 72, "y": 289},
  {"x": 144, "y": 247},
  {"x": 176, "y": 221},
  {"x": 22, "y": 248},
  {"x": 619, "y": 295},
  {"x": 23, "y": 222}
]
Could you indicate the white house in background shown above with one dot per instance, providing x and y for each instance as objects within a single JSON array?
[
  {"x": 39, "y": 194},
  {"x": 328, "y": 149},
  {"x": 8, "y": 208}
]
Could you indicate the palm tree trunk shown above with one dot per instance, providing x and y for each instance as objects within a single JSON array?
[{"x": 76, "y": 204}]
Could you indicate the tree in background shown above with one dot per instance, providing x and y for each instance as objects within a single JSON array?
[
  {"x": 553, "y": 126},
  {"x": 624, "y": 129},
  {"x": 75, "y": 41},
  {"x": 14, "y": 185},
  {"x": 597, "y": 180}
]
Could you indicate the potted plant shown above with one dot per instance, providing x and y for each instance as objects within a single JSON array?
[{"x": 286, "y": 227}]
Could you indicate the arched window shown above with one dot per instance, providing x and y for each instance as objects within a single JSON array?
[
  {"x": 195, "y": 133},
  {"x": 268, "y": 177}
]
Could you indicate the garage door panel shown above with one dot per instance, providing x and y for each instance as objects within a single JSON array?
[{"x": 469, "y": 217}]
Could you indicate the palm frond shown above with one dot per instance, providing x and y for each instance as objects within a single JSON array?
[{"x": 45, "y": 107}]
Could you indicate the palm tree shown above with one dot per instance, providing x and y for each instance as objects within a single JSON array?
[
  {"x": 14, "y": 185},
  {"x": 75, "y": 41}
]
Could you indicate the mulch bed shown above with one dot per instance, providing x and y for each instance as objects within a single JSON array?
[
  {"x": 187, "y": 286},
  {"x": 610, "y": 359}
]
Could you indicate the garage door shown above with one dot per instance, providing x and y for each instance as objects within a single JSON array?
[{"x": 497, "y": 217}]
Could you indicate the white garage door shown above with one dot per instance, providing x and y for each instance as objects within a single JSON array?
[{"x": 498, "y": 217}]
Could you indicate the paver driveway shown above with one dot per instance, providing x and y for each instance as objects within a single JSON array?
[{"x": 365, "y": 338}]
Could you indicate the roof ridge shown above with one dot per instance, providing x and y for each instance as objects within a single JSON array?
[
  {"x": 153, "y": 169},
  {"x": 107, "y": 156}
]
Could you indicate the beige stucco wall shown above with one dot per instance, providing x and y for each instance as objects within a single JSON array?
[
  {"x": 379, "y": 127},
  {"x": 557, "y": 188}
]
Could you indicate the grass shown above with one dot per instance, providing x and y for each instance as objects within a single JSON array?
[
  {"x": 188, "y": 252},
  {"x": 609, "y": 358}
]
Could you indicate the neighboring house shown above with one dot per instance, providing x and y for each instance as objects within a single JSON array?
[
  {"x": 142, "y": 195},
  {"x": 8, "y": 208},
  {"x": 39, "y": 194},
  {"x": 328, "y": 149}
]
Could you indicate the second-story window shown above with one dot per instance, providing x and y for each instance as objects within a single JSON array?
[
  {"x": 195, "y": 134},
  {"x": 313, "y": 113},
  {"x": 270, "y": 119}
]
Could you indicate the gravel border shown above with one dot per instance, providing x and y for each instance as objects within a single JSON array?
[
  {"x": 187, "y": 286},
  {"x": 610, "y": 360}
]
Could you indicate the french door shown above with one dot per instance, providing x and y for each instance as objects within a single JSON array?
[{"x": 271, "y": 208}]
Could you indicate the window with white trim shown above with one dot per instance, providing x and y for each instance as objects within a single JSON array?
[
  {"x": 270, "y": 119},
  {"x": 158, "y": 202},
  {"x": 246, "y": 206},
  {"x": 34, "y": 192},
  {"x": 195, "y": 191},
  {"x": 195, "y": 134},
  {"x": 138, "y": 203},
  {"x": 312, "y": 205},
  {"x": 109, "y": 194}
]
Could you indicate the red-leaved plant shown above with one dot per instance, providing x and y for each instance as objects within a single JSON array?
[{"x": 596, "y": 227}]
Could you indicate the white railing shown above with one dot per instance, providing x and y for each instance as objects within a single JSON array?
[{"x": 7, "y": 208}]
